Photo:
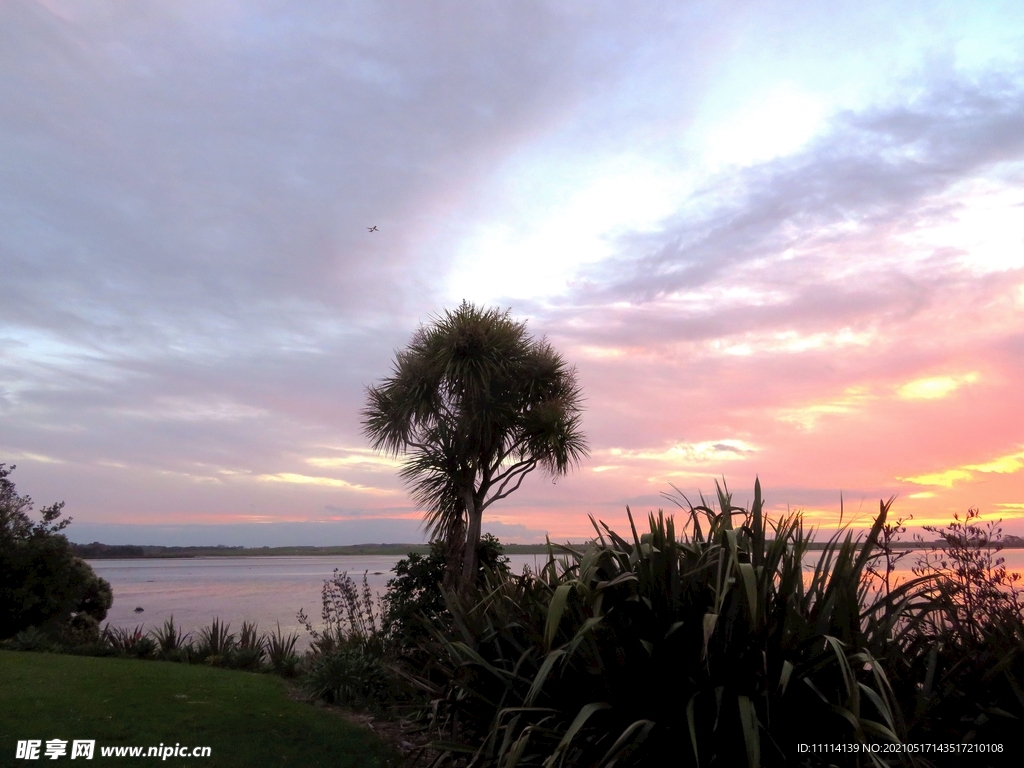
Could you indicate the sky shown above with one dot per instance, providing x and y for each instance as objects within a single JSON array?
[{"x": 778, "y": 240}]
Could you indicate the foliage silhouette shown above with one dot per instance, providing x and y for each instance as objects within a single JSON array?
[
  {"x": 44, "y": 585},
  {"x": 474, "y": 404}
]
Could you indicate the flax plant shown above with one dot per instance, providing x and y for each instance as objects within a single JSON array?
[
  {"x": 169, "y": 637},
  {"x": 215, "y": 642},
  {"x": 709, "y": 643},
  {"x": 251, "y": 649},
  {"x": 129, "y": 642},
  {"x": 281, "y": 651}
]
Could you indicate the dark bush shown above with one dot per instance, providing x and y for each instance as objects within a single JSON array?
[
  {"x": 30, "y": 639},
  {"x": 44, "y": 585},
  {"x": 133, "y": 643},
  {"x": 351, "y": 615},
  {"x": 964, "y": 676},
  {"x": 414, "y": 601},
  {"x": 351, "y": 675}
]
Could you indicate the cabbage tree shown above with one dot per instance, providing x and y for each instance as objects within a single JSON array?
[{"x": 474, "y": 404}]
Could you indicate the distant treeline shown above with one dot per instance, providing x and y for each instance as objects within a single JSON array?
[{"x": 98, "y": 551}]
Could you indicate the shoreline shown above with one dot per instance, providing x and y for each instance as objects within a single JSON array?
[{"x": 97, "y": 551}]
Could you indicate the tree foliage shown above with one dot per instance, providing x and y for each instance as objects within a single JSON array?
[
  {"x": 44, "y": 585},
  {"x": 475, "y": 404},
  {"x": 415, "y": 601}
]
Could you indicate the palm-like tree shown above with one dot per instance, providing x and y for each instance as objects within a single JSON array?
[{"x": 474, "y": 404}]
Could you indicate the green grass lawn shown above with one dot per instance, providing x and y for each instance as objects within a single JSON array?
[{"x": 246, "y": 718}]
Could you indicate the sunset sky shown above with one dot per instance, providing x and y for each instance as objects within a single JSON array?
[{"x": 778, "y": 239}]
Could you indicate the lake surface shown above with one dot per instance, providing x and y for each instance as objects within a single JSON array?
[
  {"x": 268, "y": 590},
  {"x": 236, "y": 589}
]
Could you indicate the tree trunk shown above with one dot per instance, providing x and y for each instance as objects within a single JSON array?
[
  {"x": 454, "y": 550},
  {"x": 469, "y": 558}
]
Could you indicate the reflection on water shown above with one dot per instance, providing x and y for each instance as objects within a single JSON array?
[
  {"x": 236, "y": 589},
  {"x": 271, "y": 589}
]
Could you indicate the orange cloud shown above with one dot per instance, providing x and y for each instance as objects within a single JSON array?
[
  {"x": 1007, "y": 464},
  {"x": 935, "y": 388},
  {"x": 807, "y": 416}
]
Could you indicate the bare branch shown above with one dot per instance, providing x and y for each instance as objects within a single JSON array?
[
  {"x": 502, "y": 493},
  {"x": 517, "y": 444},
  {"x": 512, "y": 469}
]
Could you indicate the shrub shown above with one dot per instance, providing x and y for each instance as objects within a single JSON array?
[
  {"x": 966, "y": 673},
  {"x": 44, "y": 585},
  {"x": 30, "y": 639},
  {"x": 350, "y": 615},
  {"x": 414, "y": 603},
  {"x": 351, "y": 675},
  {"x": 83, "y": 629},
  {"x": 348, "y": 661},
  {"x": 130, "y": 642},
  {"x": 414, "y": 600},
  {"x": 99, "y": 648}
]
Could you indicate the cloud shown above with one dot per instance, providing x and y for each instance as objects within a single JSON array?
[
  {"x": 814, "y": 246},
  {"x": 935, "y": 387},
  {"x": 759, "y": 254},
  {"x": 944, "y": 479},
  {"x": 514, "y": 532},
  {"x": 808, "y": 416},
  {"x": 331, "y": 482},
  {"x": 680, "y": 454},
  {"x": 706, "y": 451},
  {"x": 1008, "y": 464},
  {"x": 361, "y": 458}
]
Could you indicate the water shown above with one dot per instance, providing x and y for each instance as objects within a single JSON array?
[{"x": 268, "y": 590}]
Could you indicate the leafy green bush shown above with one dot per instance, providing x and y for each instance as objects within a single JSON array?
[
  {"x": 414, "y": 600},
  {"x": 352, "y": 675},
  {"x": 30, "y": 639},
  {"x": 414, "y": 604},
  {"x": 44, "y": 585},
  {"x": 83, "y": 629},
  {"x": 250, "y": 651}
]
